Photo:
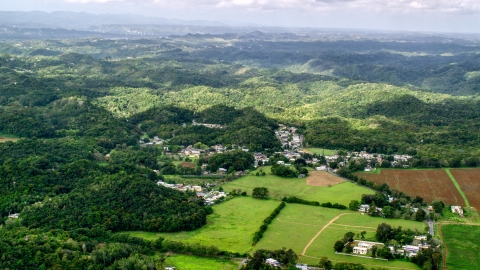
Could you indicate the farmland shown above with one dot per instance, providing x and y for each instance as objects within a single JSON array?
[
  {"x": 230, "y": 227},
  {"x": 192, "y": 262},
  {"x": 469, "y": 181},
  {"x": 323, "y": 179},
  {"x": 294, "y": 229},
  {"x": 428, "y": 184},
  {"x": 463, "y": 246},
  {"x": 285, "y": 187}
]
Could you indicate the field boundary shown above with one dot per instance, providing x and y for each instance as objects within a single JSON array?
[
  {"x": 321, "y": 230},
  {"x": 455, "y": 183},
  {"x": 365, "y": 264}
]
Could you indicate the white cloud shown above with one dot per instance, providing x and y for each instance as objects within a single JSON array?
[{"x": 403, "y": 6}]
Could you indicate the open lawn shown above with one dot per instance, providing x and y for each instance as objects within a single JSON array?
[
  {"x": 297, "y": 225},
  {"x": 284, "y": 187},
  {"x": 428, "y": 184},
  {"x": 320, "y": 151},
  {"x": 463, "y": 246},
  {"x": 323, "y": 179},
  {"x": 230, "y": 227},
  {"x": 8, "y": 138},
  {"x": 469, "y": 181},
  {"x": 183, "y": 262}
]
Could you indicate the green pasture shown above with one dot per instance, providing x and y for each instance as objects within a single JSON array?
[
  {"x": 298, "y": 224},
  {"x": 284, "y": 187},
  {"x": 463, "y": 246},
  {"x": 183, "y": 262},
  {"x": 322, "y": 151},
  {"x": 8, "y": 138},
  {"x": 230, "y": 227}
]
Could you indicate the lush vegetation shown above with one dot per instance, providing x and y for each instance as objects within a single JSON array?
[
  {"x": 259, "y": 234},
  {"x": 462, "y": 246},
  {"x": 82, "y": 107}
]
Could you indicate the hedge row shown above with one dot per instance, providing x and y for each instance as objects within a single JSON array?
[{"x": 259, "y": 234}]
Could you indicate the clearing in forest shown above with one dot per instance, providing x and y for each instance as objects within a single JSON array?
[
  {"x": 429, "y": 184},
  {"x": 323, "y": 179},
  {"x": 8, "y": 139},
  {"x": 230, "y": 227}
]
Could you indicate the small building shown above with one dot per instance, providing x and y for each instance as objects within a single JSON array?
[
  {"x": 321, "y": 168},
  {"x": 457, "y": 210},
  {"x": 364, "y": 208},
  {"x": 301, "y": 266},
  {"x": 421, "y": 237},
  {"x": 360, "y": 250},
  {"x": 280, "y": 162},
  {"x": 272, "y": 262},
  {"x": 13, "y": 215}
]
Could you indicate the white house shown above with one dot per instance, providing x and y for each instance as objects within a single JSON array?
[
  {"x": 420, "y": 237},
  {"x": 301, "y": 266},
  {"x": 272, "y": 262},
  {"x": 321, "y": 168},
  {"x": 457, "y": 209},
  {"x": 364, "y": 208},
  {"x": 13, "y": 215},
  {"x": 360, "y": 250}
]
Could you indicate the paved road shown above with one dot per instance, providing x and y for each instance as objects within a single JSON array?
[{"x": 431, "y": 224}]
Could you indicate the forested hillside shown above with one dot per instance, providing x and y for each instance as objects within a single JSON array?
[{"x": 84, "y": 110}]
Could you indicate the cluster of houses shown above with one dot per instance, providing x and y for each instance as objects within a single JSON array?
[
  {"x": 211, "y": 196},
  {"x": 364, "y": 247},
  {"x": 180, "y": 187},
  {"x": 289, "y": 138},
  {"x": 155, "y": 141}
]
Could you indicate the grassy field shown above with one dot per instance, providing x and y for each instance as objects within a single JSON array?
[
  {"x": 230, "y": 227},
  {"x": 8, "y": 138},
  {"x": 183, "y": 262},
  {"x": 463, "y": 246},
  {"x": 321, "y": 151},
  {"x": 298, "y": 224},
  {"x": 284, "y": 187}
]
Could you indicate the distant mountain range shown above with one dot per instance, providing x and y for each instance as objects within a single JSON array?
[{"x": 87, "y": 21}]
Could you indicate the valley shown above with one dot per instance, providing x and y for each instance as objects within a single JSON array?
[{"x": 214, "y": 150}]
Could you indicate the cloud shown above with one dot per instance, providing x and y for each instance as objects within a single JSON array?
[{"x": 402, "y": 6}]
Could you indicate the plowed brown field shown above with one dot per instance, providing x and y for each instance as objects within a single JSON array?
[
  {"x": 428, "y": 184},
  {"x": 469, "y": 181},
  {"x": 323, "y": 179}
]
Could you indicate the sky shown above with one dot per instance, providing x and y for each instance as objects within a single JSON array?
[{"x": 453, "y": 16}]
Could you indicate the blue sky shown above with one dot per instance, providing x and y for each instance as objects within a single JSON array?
[{"x": 420, "y": 15}]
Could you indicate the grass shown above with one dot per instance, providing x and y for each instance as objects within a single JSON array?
[
  {"x": 294, "y": 228},
  {"x": 463, "y": 246},
  {"x": 284, "y": 187},
  {"x": 230, "y": 227},
  {"x": 458, "y": 187},
  {"x": 8, "y": 138},
  {"x": 321, "y": 151},
  {"x": 191, "y": 262}
]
